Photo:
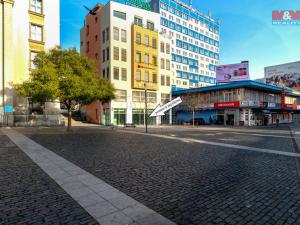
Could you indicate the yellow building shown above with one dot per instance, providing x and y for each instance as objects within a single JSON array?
[
  {"x": 27, "y": 27},
  {"x": 145, "y": 68}
]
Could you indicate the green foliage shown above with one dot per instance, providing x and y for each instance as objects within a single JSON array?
[{"x": 65, "y": 75}]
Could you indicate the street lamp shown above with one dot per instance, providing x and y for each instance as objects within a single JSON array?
[{"x": 146, "y": 108}]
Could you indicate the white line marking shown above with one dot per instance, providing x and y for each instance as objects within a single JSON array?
[
  {"x": 190, "y": 140},
  {"x": 102, "y": 201}
]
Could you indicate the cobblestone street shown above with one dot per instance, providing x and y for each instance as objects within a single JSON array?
[
  {"x": 189, "y": 183},
  {"x": 29, "y": 196}
]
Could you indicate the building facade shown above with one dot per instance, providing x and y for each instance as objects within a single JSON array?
[
  {"x": 136, "y": 47},
  {"x": 244, "y": 103},
  {"x": 128, "y": 49},
  {"x": 27, "y": 27},
  {"x": 195, "y": 43}
]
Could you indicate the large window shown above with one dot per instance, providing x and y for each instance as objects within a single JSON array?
[
  {"x": 116, "y": 33},
  {"x": 124, "y": 74},
  {"x": 138, "y": 57},
  {"x": 32, "y": 56},
  {"x": 116, "y": 53},
  {"x": 154, "y": 43},
  {"x": 146, "y": 40},
  {"x": 123, "y": 35},
  {"x": 138, "y": 38},
  {"x": 120, "y": 15},
  {"x": 146, "y": 59},
  {"x": 36, "y": 32},
  {"x": 121, "y": 96},
  {"x": 138, "y": 21},
  {"x": 150, "y": 25},
  {"x": 116, "y": 73},
  {"x": 123, "y": 55},
  {"x": 138, "y": 75},
  {"x": 165, "y": 98},
  {"x": 36, "y": 6},
  {"x": 146, "y": 74}
]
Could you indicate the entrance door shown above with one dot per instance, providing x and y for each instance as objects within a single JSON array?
[{"x": 230, "y": 120}]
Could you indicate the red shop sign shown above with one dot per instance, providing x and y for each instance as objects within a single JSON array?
[
  {"x": 223, "y": 105},
  {"x": 289, "y": 106}
]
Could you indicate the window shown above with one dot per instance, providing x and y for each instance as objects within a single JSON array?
[
  {"x": 168, "y": 48},
  {"x": 116, "y": 33},
  {"x": 107, "y": 72},
  {"x": 103, "y": 36},
  {"x": 154, "y": 78},
  {"x": 103, "y": 56},
  {"x": 32, "y": 56},
  {"x": 168, "y": 64},
  {"x": 107, "y": 53},
  {"x": 138, "y": 21},
  {"x": 121, "y": 95},
  {"x": 87, "y": 30},
  {"x": 162, "y": 47},
  {"x": 165, "y": 98},
  {"x": 107, "y": 34},
  {"x": 96, "y": 38},
  {"x": 123, "y": 55},
  {"x": 123, "y": 35},
  {"x": 96, "y": 20},
  {"x": 146, "y": 40},
  {"x": 138, "y": 38},
  {"x": 116, "y": 53},
  {"x": 154, "y": 43},
  {"x": 36, "y": 32},
  {"x": 154, "y": 60},
  {"x": 146, "y": 74},
  {"x": 119, "y": 15},
  {"x": 138, "y": 57},
  {"x": 124, "y": 74},
  {"x": 162, "y": 80},
  {"x": 116, "y": 73},
  {"x": 150, "y": 25},
  {"x": 36, "y": 6},
  {"x": 146, "y": 59},
  {"x": 103, "y": 73},
  {"x": 162, "y": 64},
  {"x": 138, "y": 75},
  {"x": 168, "y": 81},
  {"x": 88, "y": 46}
]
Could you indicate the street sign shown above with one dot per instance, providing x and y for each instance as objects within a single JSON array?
[
  {"x": 9, "y": 109},
  {"x": 160, "y": 110}
]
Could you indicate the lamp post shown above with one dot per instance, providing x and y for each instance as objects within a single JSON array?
[
  {"x": 3, "y": 55},
  {"x": 146, "y": 108}
]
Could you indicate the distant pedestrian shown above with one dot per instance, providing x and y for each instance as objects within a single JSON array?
[{"x": 277, "y": 122}]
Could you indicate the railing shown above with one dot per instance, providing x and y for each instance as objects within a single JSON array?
[{"x": 38, "y": 120}]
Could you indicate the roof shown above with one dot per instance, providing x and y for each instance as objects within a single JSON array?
[{"x": 239, "y": 84}]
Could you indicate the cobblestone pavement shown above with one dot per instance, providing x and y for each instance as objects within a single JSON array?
[
  {"x": 29, "y": 196},
  {"x": 186, "y": 182}
]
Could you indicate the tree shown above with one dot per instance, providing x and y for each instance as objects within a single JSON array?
[{"x": 68, "y": 76}]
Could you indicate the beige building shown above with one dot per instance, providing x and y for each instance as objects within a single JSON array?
[{"x": 27, "y": 27}]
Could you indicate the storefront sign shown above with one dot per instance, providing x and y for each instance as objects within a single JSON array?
[
  {"x": 290, "y": 106},
  {"x": 254, "y": 103},
  {"x": 140, "y": 4},
  {"x": 223, "y": 105},
  {"x": 244, "y": 103}
]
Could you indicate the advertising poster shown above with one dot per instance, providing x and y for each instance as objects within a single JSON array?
[
  {"x": 233, "y": 72},
  {"x": 285, "y": 75}
]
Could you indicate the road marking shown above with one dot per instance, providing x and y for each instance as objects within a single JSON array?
[
  {"x": 246, "y": 134},
  {"x": 190, "y": 140},
  {"x": 102, "y": 201}
]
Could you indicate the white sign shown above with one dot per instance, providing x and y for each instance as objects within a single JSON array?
[
  {"x": 285, "y": 75},
  {"x": 160, "y": 110},
  {"x": 129, "y": 113},
  {"x": 232, "y": 72}
]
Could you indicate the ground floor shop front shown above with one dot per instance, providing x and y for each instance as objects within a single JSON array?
[{"x": 236, "y": 116}]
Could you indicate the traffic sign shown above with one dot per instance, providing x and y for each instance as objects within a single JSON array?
[{"x": 160, "y": 110}]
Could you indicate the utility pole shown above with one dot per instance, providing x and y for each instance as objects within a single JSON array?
[
  {"x": 146, "y": 108},
  {"x": 3, "y": 54}
]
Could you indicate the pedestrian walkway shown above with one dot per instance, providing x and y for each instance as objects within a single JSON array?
[{"x": 106, "y": 204}]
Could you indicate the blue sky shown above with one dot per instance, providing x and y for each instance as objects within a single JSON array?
[{"x": 246, "y": 33}]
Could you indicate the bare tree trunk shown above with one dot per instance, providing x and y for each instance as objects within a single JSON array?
[{"x": 69, "y": 119}]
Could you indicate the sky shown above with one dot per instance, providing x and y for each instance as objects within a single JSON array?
[{"x": 246, "y": 30}]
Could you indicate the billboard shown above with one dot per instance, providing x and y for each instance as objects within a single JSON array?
[
  {"x": 285, "y": 75},
  {"x": 233, "y": 72}
]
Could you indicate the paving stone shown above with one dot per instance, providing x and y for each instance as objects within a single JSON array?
[{"x": 116, "y": 218}]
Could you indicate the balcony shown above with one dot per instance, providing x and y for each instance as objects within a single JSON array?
[{"x": 141, "y": 85}]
